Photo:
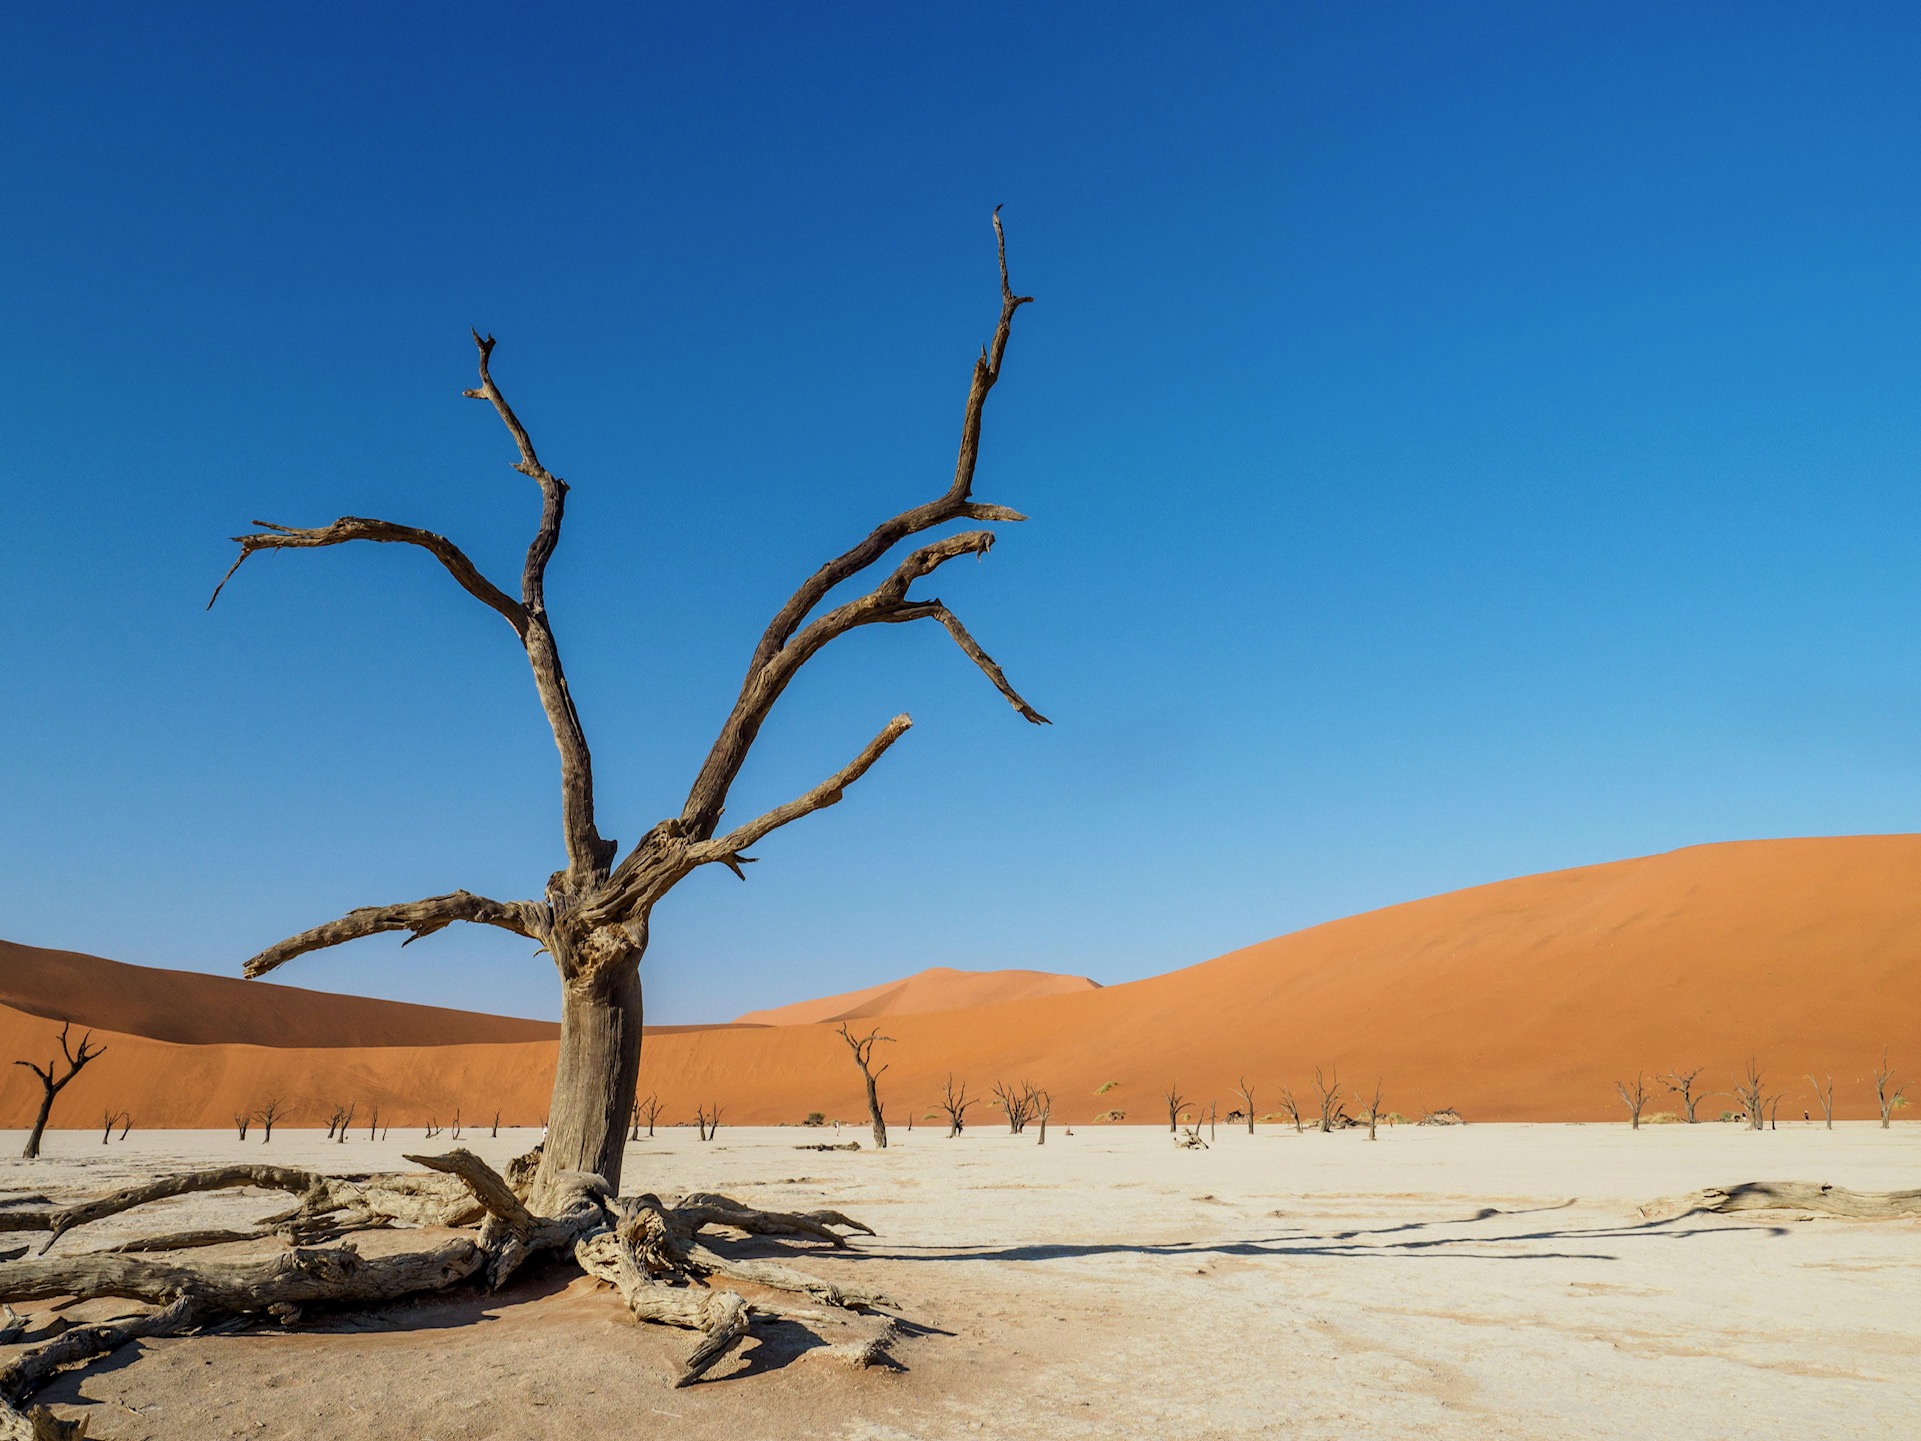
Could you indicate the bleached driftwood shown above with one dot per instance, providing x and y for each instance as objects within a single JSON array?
[{"x": 1814, "y": 1197}]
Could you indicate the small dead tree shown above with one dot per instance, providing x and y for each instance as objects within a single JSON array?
[
  {"x": 112, "y": 1119},
  {"x": 1016, "y": 1103},
  {"x": 1825, "y": 1095},
  {"x": 1332, "y": 1116},
  {"x": 1374, "y": 1111},
  {"x": 455, "y": 1134},
  {"x": 494, "y": 1130},
  {"x": 650, "y": 1112},
  {"x": 708, "y": 1121},
  {"x": 634, "y": 1133},
  {"x": 955, "y": 1103},
  {"x": 1635, "y": 1100},
  {"x": 433, "y": 1128},
  {"x": 126, "y": 1123},
  {"x": 333, "y": 1121},
  {"x": 1682, "y": 1084},
  {"x": 1751, "y": 1096},
  {"x": 53, "y": 1081},
  {"x": 1246, "y": 1093},
  {"x": 1888, "y": 1096},
  {"x": 863, "y": 1049},
  {"x": 1175, "y": 1100},
  {"x": 1041, "y": 1106},
  {"x": 373, "y": 1123},
  {"x": 1293, "y": 1109},
  {"x": 340, "y": 1138},
  {"x": 268, "y": 1114},
  {"x": 241, "y": 1120}
]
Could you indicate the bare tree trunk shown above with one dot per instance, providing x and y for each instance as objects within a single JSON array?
[
  {"x": 39, "y": 1126},
  {"x": 594, "y": 1083}
]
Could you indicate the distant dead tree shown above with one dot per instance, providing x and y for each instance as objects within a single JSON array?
[
  {"x": 52, "y": 1085},
  {"x": 1042, "y": 1106},
  {"x": 333, "y": 1121},
  {"x": 1751, "y": 1096},
  {"x": 1635, "y": 1100},
  {"x": 863, "y": 1049},
  {"x": 455, "y": 1135},
  {"x": 708, "y": 1122},
  {"x": 1246, "y": 1093},
  {"x": 634, "y": 1133},
  {"x": 1825, "y": 1095},
  {"x": 112, "y": 1119},
  {"x": 241, "y": 1120},
  {"x": 1374, "y": 1110},
  {"x": 433, "y": 1128},
  {"x": 494, "y": 1130},
  {"x": 650, "y": 1112},
  {"x": 268, "y": 1114},
  {"x": 1017, "y": 1103},
  {"x": 1682, "y": 1084},
  {"x": 955, "y": 1103},
  {"x": 1213, "y": 1111},
  {"x": 126, "y": 1123},
  {"x": 373, "y": 1123},
  {"x": 1332, "y": 1116},
  {"x": 1293, "y": 1109},
  {"x": 1887, "y": 1095},
  {"x": 1175, "y": 1100},
  {"x": 1774, "y": 1112},
  {"x": 340, "y": 1137}
]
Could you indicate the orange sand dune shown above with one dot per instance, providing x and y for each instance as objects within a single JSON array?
[
  {"x": 940, "y": 988},
  {"x": 1522, "y": 1000}
]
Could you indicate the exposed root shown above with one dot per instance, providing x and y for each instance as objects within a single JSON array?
[
  {"x": 1815, "y": 1197},
  {"x": 647, "y": 1249}
]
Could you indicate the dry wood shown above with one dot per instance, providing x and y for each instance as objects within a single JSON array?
[
  {"x": 1635, "y": 1100},
  {"x": 1293, "y": 1109},
  {"x": 1374, "y": 1111},
  {"x": 863, "y": 1049},
  {"x": 1333, "y": 1117},
  {"x": 593, "y": 917},
  {"x": 1682, "y": 1084},
  {"x": 1888, "y": 1096},
  {"x": 955, "y": 1103},
  {"x": 1246, "y": 1093},
  {"x": 52, "y": 1084},
  {"x": 1825, "y": 1094},
  {"x": 1175, "y": 1100},
  {"x": 1752, "y": 1095},
  {"x": 1815, "y": 1197}
]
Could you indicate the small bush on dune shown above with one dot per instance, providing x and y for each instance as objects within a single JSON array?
[
  {"x": 814, "y": 1118},
  {"x": 1111, "y": 1116},
  {"x": 1104, "y": 1087}
]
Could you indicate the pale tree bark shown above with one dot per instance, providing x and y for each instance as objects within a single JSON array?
[
  {"x": 1635, "y": 1100},
  {"x": 1682, "y": 1084},
  {"x": 1175, "y": 1101},
  {"x": 1246, "y": 1093},
  {"x": 955, "y": 1103},
  {"x": 863, "y": 1049},
  {"x": 1752, "y": 1095},
  {"x": 593, "y": 918},
  {"x": 1824, "y": 1093}
]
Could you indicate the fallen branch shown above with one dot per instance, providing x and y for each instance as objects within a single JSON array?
[{"x": 1815, "y": 1197}]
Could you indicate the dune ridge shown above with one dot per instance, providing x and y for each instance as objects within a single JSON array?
[
  {"x": 1520, "y": 1000},
  {"x": 938, "y": 988}
]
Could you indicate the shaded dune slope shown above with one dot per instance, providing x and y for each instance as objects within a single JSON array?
[{"x": 1521, "y": 1000}]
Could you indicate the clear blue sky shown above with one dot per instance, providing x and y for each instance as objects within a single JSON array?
[{"x": 1461, "y": 441}]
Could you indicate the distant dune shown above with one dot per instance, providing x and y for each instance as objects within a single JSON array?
[
  {"x": 1522, "y": 1000},
  {"x": 939, "y": 988}
]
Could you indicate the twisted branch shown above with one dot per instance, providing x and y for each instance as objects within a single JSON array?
[{"x": 421, "y": 918}]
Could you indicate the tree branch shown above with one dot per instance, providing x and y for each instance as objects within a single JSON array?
[
  {"x": 785, "y": 645},
  {"x": 727, "y": 849},
  {"x": 354, "y": 527},
  {"x": 422, "y": 918},
  {"x": 588, "y": 856}
]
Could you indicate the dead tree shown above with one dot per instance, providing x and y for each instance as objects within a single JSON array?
[
  {"x": 1293, "y": 1109},
  {"x": 1246, "y": 1093},
  {"x": 112, "y": 1119},
  {"x": 955, "y": 1103},
  {"x": 334, "y": 1121},
  {"x": 345, "y": 1121},
  {"x": 1041, "y": 1107},
  {"x": 1213, "y": 1111},
  {"x": 709, "y": 1122},
  {"x": 455, "y": 1133},
  {"x": 373, "y": 1123},
  {"x": 1175, "y": 1100},
  {"x": 863, "y": 1049},
  {"x": 1374, "y": 1111},
  {"x": 52, "y": 1084},
  {"x": 1825, "y": 1095},
  {"x": 592, "y": 921},
  {"x": 650, "y": 1112},
  {"x": 1635, "y": 1100},
  {"x": 1682, "y": 1084},
  {"x": 1332, "y": 1116},
  {"x": 1751, "y": 1096},
  {"x": 1016, "y": 1103},
  {"x": 1887, "y": 1095},
  {"x": 240, "y": 1121},
  {"x": 593, "y": 918},
  {"x": 268, "y": 1114},
  {"x": 494, "y": 1130},
  {"x": 634, "y": 1134}
]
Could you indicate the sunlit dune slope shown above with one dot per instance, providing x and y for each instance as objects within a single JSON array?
[
  {"x": 940, "y": 988},
  {"x": 1522, "y": 1000}
]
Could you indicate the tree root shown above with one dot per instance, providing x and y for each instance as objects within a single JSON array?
[
  {"x": 647, "y": 1249},
  {"x": 1816, "y": 1197}
]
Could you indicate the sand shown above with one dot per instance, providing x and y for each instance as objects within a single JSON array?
[
  {"x": 938, "y": 988},
  {"x": 1479, "y": 1282},
  {"x": 1523, "y": 1000}
]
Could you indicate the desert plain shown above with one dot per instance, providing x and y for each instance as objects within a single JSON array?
[{"x": 1477, "y": 1281}]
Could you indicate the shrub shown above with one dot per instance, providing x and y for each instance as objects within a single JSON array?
[
  {"x": 1104, "y": 1087},
  {"x": 814, "y": 1118},
  {"x": 1111, "y": 1116}
]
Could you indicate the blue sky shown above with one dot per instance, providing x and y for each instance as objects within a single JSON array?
[{"x": 1461, "y": 442}]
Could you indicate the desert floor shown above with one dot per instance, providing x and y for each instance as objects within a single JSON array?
[{"x": 1478, "y": 1282}]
